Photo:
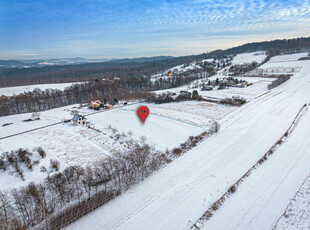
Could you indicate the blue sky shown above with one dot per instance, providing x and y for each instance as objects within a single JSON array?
[{"x": 132, "y": 28}]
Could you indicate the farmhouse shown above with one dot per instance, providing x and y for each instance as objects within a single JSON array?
[
  {"x": 78, "y": 120},
  {"x": 95, "y": 104}
]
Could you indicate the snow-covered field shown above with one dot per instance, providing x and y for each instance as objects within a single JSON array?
[
  {"x": 288, "y": 57},
  {"x": 200, "y": 114},
  {"x": 78, "y": 145},
  {"x": 287, "y": 63},
  {"x": 262, "y": 198},
  {"x": 258, "y": 88},
  {"x": 10, "y": 91},
  {"x": 46, "y": 118},
  {"x": 162, "y": 132},
  {"x": 248, "y": 58},
  {"x": 176, "y": 196},
  {"x": 297, "y": 214}
]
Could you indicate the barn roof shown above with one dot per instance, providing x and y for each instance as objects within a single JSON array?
[{"x": 76, "y": 117}]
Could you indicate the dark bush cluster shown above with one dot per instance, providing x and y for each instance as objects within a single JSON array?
[
  {"x": 235, "y": 100},
  {"x": 194, "y": 140},
  {"x": 280, "y": 80},
  {"x": 55, "y": 164},
  {"x": 41, "y": 152},
  {"x": 174, "y": 97}
]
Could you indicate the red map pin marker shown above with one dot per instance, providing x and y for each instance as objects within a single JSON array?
[{"x": 143, "y": 112}]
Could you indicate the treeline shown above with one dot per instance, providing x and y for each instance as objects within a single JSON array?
[
  {"x": 30, "y": 205},
  {"x": 274, "y": 47},
  {"x": 68, "y": 195},
  {"x": 280, "y": 80},
  {"x": 234, "y": 100},
  {"x": 39, "y": 100}
]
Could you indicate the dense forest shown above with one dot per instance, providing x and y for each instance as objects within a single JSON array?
[{"x": 129, "y": 68}]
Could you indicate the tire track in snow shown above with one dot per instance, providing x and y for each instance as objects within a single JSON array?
[{"x": 217, "y": 204}]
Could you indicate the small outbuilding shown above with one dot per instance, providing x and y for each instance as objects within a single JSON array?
[{"x": 78, "y": 120}]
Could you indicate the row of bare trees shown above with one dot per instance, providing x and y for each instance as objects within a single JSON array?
[
  {"x": 280, "y": 80},
  {"x": 39, "y": 100},
  {"x": 30, "y": 205},
  {"x": 13, "y": 161},
  {"x": 65, "y": 196}
]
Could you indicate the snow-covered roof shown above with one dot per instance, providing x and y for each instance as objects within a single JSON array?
[{"x": 76, "y": 117}]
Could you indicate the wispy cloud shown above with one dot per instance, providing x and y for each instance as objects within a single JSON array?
[{"x": 134, "y": 28}]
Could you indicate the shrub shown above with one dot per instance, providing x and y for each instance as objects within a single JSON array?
[
  {"x": 195, "y": 95},
  {"x": 233, "y": 189},
  {"x": 2, "y": 164},
  {"x": 177, "y": 151},
  {"x": 204, "y": 134},
  {"x": 281, "y": 79},
  {"x": 24, "y": 155},
  {"x": 35, "y": 116},
  {"x": 55, "y": 164},
  {"x": 41, "y": 152},
  {"x": 194, "y": 143},
  {"x": 215, "y": 206},
  {"x": 235, "y": 100},
  {"x": 215, "y": 127}
]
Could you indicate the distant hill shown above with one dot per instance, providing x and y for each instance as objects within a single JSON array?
[
  {"x": 9, "y": 63},
  {"x": 72, "y": 61},
  {"x": 80, "y": 69},
  {"x": 47, "y": 62},
  {"x": 142, "y": 59},
  {"x": 274, "y": 47}
]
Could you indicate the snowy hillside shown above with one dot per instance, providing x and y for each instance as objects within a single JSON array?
[
  {"x": 10, "y": 91},
  {"x": 297, "y": 213},
  {"x": 190, "y": 185},
  {"x": 75, "y": 145},
  {"x": 197, "y": 179},
  {"x": 247, "y": 58}
]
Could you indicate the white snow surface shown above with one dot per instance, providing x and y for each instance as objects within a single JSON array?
[
  {"x": 297, "y": 214},
  {"x": 196, "y": 113},
  {"x": 249, "y": 93},
  {"x": 46, "y": 118},
  {"x": 288, "y": 57},
  {"x": 162, "y": 132},
  {"x": 77, "y": 145},
  {"x": 262, "y": 198},
  {"x": 178, "y": 195},
  {"x": 283, "y": 64},
  {"x": 248, "y": 58},
  {"x": 10, "y": 91}
]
